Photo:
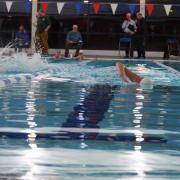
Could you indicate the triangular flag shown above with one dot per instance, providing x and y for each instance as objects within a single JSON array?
[
  {"x": 132, "y": 8},
  {"x": 167, "y": 9},
  {"x": 78, "y": 7},
  {"x": 114, "y": 7},
  {"x": 8, "y": 5},
  {"x": 150, "y": 8},
  {"x": 96, "y": 7},
  {"x": 27, "y": 5},
  {"x": 59, "y": 7},
  {"x": 44, "y": 6}
]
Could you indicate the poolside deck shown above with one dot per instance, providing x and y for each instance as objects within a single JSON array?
[{"x": 114, "y": 54}]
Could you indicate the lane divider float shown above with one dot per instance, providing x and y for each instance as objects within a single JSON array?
[
  {"x": 21, "y": 78},
  {"x": 168, "y": 68}
]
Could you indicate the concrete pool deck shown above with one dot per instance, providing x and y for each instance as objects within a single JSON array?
[{"x": 113, "y": 54}]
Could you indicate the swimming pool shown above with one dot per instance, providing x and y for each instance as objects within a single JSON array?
[{"x": 77, "y": 119}]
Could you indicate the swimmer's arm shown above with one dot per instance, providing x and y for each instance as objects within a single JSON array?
[
  {"x": 132, "y": 76},
  {"x": 121, "y": 70}
]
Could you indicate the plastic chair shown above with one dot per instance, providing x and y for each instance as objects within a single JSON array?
[
  {"x": 20, "y": 45},
  {"x": 173, "y": 47},
  {"x": 127, "y": 42}
]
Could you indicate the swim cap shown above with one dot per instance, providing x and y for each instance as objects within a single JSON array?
[{"x": 146, "y": 83}]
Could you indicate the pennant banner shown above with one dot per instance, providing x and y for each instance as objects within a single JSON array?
[
  {"x": 8, "y": 5},
  {"x": 27, "y": 5},
  {"x": 96, "y": 7},
  {"x": 132, "y": 8},
  {"x": 78, "y": 7},
  {"x": 59, "y": 7},
  {"x": 167, "y": 9},
  {"x": 44, "y": 6},
  {"x": 150, "y": 8},
  {"x": 114, "y": 7}
]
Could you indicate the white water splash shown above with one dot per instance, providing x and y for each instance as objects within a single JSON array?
[
  {"x": 21, "y": 63},
  {"x": 7, "y": 47}
]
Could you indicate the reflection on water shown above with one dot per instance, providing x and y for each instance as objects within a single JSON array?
[
  {"x": 89, "y": 112},
  {"x": 89, "y": 131},
  {"x": 138, "y": 116}
]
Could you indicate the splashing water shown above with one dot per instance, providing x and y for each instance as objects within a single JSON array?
[
  {"x": 89, "y": 74},
  {"x": 21, "y": 63},
  {"x": 83, "y": 72},
  {"x": 7, "y": 47}
]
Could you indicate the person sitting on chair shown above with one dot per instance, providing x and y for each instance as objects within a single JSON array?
[
  {"x": 129, "y": 28},
  {"x": 22, "y": 39},
  {"x": 73, "y": 39},
  {"x": 129, "y": 76}
]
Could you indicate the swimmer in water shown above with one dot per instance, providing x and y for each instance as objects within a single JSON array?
[{"x": 129, "y": 76}]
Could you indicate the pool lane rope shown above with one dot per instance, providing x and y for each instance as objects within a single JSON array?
[
  {"x": 21, "y": 78},
  {"x": 168, "y": 68},
  {"x": 9, "y": 81}
]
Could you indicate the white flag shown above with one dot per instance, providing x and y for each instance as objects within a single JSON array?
[
  {"x": 114, "y": 7},
  {"x": 143, "y": 7},
  {"x": 8, "y": 5},
  {"x": 59, "y": 7},
  {"x": 167, "y": 9}
]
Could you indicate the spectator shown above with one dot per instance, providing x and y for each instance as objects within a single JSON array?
[
  {"x": 73, "y": 39},
  {"x": 129, "y": 28},
  {"x": 140, "y": 35},
  {"x": 43, "y": 26},
  {"x": 22, "y": 39}
]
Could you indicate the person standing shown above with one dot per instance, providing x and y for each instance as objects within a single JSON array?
[
  {"x": 140, "y": 35},
  {"x": 43, "y": 26},
  {"x": 73, "y": 39},
  {"x": 129, "y": 28}
]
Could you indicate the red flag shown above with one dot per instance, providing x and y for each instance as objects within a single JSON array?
[
  {"x": 44, "y": 6},
  {"x": 96, "y": 7},
  {"x": 150, "y": 8}
]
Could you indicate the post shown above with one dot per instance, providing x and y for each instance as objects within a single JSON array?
[
  {"x": 143, "y": 7},
  {"x": 33, "y": 22}
]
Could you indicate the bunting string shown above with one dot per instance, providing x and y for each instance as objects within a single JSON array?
[{"x": 95, "y": 6}]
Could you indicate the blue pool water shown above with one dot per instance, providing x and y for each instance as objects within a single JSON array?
[{"x": 79, "y": 120}]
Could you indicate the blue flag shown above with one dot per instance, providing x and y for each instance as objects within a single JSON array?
[
  {"x": 78, "y": 7},
  {"x": 132, "y": 8},
  {"x": 27, "y": 5}
]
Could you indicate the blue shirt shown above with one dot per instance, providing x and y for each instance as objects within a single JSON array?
[
  {"x": 24, "y": 36},
  {"x": 74, "y": 36}
]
